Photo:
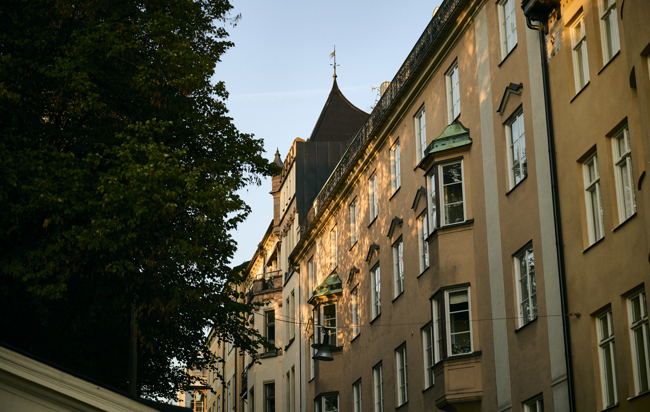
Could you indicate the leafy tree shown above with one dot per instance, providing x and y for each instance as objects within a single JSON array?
[{"x": 119, "y": 172}]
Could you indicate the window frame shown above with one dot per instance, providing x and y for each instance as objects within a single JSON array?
[
  {"x": 452, "y": 78},
  {"x": 606, "y": 345},
  {"x": 442, "y": 205},
  {"x": 609, "y": 34},
  {"x": 524, "y": 255},
  {"x": 401, "y": 371},
  {"x": 333, "y": 333},
  {"x": 395, "y": 168},
  {"x": 355, "y": 311},
  {"x": 579, "y": 52},
  {"x": 378, "y": 387},
  {"x": 375, "y": 291},
  {"x": 267, "y": 398},
  {"x": 423, "y": 246},
  {"x": 398, "y": 267},
  {"x": 357, "y": 396},
  {"x": 428, "y": 355},
  {"x": 507, "y": 16},
  {"x": 433, "y": 198},
  {"x": 516, "y": 119},
  {"x": 442, "y": 314},
  {"x": 373, "y": 198},
  {"x": 267, "y": 327},
  {"x": 535, "y": 404},
  {"x": 626, "y": 207},
  {"x": 595, "y": 221},
  {"x": 311, "y": 273},
  {"x": 354, "y": 223},
  {"x": 334, "y": 248},
  {"x": 641, "y": 372},
  {"x": 420, "y": 123}
]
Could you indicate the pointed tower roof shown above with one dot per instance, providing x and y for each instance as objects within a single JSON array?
[
  {"x": 277, "y": 160},
  {"x": 339, "y": 120}
]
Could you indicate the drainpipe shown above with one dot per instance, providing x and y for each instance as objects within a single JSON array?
[{"x": 559, "y": 243}]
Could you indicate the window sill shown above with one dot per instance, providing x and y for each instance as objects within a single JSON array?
[
  {"x": 609, "y": 408},
  {"x": 517, "y": 185},
  {"x": 635, "y": 397},
  {"x": 405, "y": 403},
  {"x": 624, "y": 222},
  {"x": 375, "y": 318},
  {"x": 423, "y": 272},
  {"x": 394, "y": 193},
  {"x": 427, "y": 389},
  {"x": 289, "y": 344},
  {"x": 579, "y": 91},
  {"x": 530, "y": 322},
  {"x": 507, "y": 55},
  {"x": 372, "y": 221},
  {"x": 455, "y": 357},
  {"x": 451, "y": 226},
  {"x": 607, "y": 64},
  {"x": 397, "y": 297},
  {"x": 355, "y": 338},
  {"x": 594, "y": 244},
  {"x": 268, "y": 355},
  {"x": 353, "y": 245}
]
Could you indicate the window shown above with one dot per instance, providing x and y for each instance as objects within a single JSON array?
[
  {"x": 517, "y": 163},
  {"x": 593, "y": 199},
  {"x": 534, "y": 405},
  {"x": 453, "y": 93},
  {"x": 395, "y": 174},
  {"x": 310, "y": 269},
  {"x": 287, "y": 317},
  {"x": 269, "y": 327},
  {"x": 251, "y": 402},
  {"x": 375, "y": 291},
  {"x": 508, "y": 26},
  {"x": 293, "y": 389},
  {"x": 334, "y": 248},
  {"x": 452, "y": 320},
  {"x": 580, "y": 62},
  {"x": 354, "y": 227},
  {"x": 433, "y": 200},
  {"x": 451, "y": 183},
  {"x": 422, "y": 243},
  {"x": 228, "y": 397},
  {"x": 328, "y": 316},
  {"x": 197, "y": 402},
  {"x": 372, "y": 198},
  {"x": 219, "y": 403},
  {"x": 356, "y": 322},
  {"x": 640, "y": 337},
  {"x": 420, "y": 135},
  {"x": 608, "y": 28},
  {"x": 269, "y": 397},
  {"x": 293, "y": 317},
  {"x": 402, "y": 376},
  {"x": 287, "y": 391},
  {"x": 526, "y": 287},
  {"x": 312, "y": 372},
  {"x": 330, "y": 403},
  {"x": 378, "y": 377},
  {"x": 356, "y": 389},
  {"x": 427, "y": 347},
  {"x": 398, "y": 262},
  {"x": 607, "y": 358},
  {"x": 624, "y": 176}
]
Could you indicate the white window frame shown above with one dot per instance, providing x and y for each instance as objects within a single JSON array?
[
  {"x": 356, "y": 391},
  {"x": 534, "y": 405},
  {"x": 441, "y": 303},
  {"x": 432, "y": 199},
  {"x": 525, "y": 285},
  {"x": 294, "y": 317},
  {"x": 373, "y": 201},
  {"x": 267, "y": 398},
  {"x": 354, "y": 223},
  {"x": 267, "y": 326},
  {"x": 438, "y": 327},
  {"x": 624, "y": 174},
  {"x": 293, "y": 389},
  {"x": 378, "y": 380},
  {"x": 593, "y": 199},
  {"x": 334, "y": 249},
  {"x": 402, "y": 375},
  {"x": 442, "y": 198},
  {"x": 287, "y": 394},
  {"x": 428, "y": 354},
  {"x": 608, "y": 29},
  {"x": 607, "y": 359},
  {"x": 508, "y": 26},
  {"x": 312, "y": 280},
  {"x": 640, "y": 341},
  {"x": 423, "y": 246},
  {"x": 312, "y": 370},
  {"x": 420, "y": 134},
  {"x": 356, "y": 318},
  {"x": 516, "y": 141},
  {"x": 453, "y": 92},
  {"x": 323, "y": 402},
  {"x": 580, "y": 57},
  {"x": 375, "y": 291},
  {"x": 331, "y": 322},
  {"x": 395, "y": 172},
  {"x": 398, "y": 268}
]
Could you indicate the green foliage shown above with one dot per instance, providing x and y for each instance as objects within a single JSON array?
[{"x": 119, "y": 172}]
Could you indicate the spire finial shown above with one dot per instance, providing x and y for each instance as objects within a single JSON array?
[{"x": 333, "y": 54}]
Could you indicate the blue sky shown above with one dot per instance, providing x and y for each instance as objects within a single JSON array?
[{"x": 279, "y": 73}]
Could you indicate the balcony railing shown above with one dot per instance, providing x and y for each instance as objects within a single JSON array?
[
  {"x": 435, "y": 27},
  {"x": 268, "y": 282}
]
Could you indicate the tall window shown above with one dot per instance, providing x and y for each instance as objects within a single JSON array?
[
  {"x": 420, "y": 135},
  {"x": 508, "y": 26},
  {"x": 330, "y": 403},
  {"x": 356, "y": 322},
  {"x": 423, "y": 233},
  {"x": 292, "y": 394},
  {"x": 269, "y": 397},
  {"x": 640, "y": 337},
  {"x": 354, "y": 227},
  {"x": 624, "y": 176},
  {"x": 378, "y": 378},
  {"x": 433, "y": 199},
  {"x": 593, "y": 199},
  {"x": 608, "y": 28},
  {"x": 451, "y": 313},
  {"x": 451, "y": 183},
  {"x": 607, "y": 358},
  {"x": 219, "y": 403},
  {"x": 427, "y": 347},
  {"x": 328, "y": 316},
  {"x": 293, "y": 317},
  {"x": 438, "y": 329},
  {"x": 334, "y": 253},
  {"x": 310, "y": 269},
  {"x": 229, "y": 397},
  {"x": 395, "y": 174},
  {"x": 534, "y": 405},
  {"x": 269, "y": 327},
  {"x": 372, "y": 198},
  {"x": 375, "y": 291},
  {"x": 287, "y": 392},
  {"x": 517, "y": 163},
  {"x": 580, "y": 62},
  {"x": 398, "y": 269},
  {"x": 356, "y": 389},
  {"x": 526, "y": 287},
  {"x": 402, "y": 376},
  {"x": 453, "y": 93},
  {"x": 312, "y": 371}
]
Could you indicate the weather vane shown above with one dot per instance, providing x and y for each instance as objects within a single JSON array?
[{"x": 333, "y": 54}]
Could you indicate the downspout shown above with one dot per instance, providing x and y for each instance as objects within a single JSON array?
[{"x": 559, "y": 243}]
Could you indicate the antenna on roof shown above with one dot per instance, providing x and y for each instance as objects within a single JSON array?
[{"x": 333, "y": 54}]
